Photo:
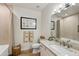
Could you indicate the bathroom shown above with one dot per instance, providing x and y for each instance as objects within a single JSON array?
[{"x": 39, "y": 29}]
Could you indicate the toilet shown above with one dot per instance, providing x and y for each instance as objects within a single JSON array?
[{"x": 36, "y": 47}]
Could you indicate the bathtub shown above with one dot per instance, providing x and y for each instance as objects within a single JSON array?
[{"x": 4, "y": 50}]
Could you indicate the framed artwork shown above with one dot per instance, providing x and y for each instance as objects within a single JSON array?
[
  {"x": 78, "y": 28},
  {"x": 52, "y": 25},
  {"x": 28, "y": 23}
]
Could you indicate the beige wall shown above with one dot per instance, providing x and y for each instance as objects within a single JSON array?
[
  {"x": 5, "y": 25},
  {"x": 46, "y": 20},
  {"x": 69, "y": 28},
  {"x": 18, "y": 33}
]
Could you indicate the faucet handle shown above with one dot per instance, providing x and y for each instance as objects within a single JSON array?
[
  {"x": 64, "y": 44},
  {"x": 68, "y": 44},
  {"x": 68, "y": 41}
]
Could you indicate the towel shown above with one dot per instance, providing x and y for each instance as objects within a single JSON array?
[
  {"x": 25, "y": 36},
  {"x": 31, "y": 34},
  {"x": 28, "y": 36}
]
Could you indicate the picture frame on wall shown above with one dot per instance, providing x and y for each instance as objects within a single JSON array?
[
  {"x": 52, "y": 25},
  {"x": 28, "y": 23}
]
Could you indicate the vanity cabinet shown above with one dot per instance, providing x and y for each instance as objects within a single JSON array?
[
  {"x": 49, "y": 53},
  {"x": 44, "y": 51}
]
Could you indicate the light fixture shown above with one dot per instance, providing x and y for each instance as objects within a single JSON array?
[
  {"x": 55, "y": 10},
  {"x": 59, "y": 11},
  {"x": 73, "y": 3},
  {"x": 62, "y": 7},
  {"x": 67, "y": 5}
]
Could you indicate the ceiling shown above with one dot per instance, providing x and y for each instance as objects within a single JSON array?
[
  {"x": 40, "y": 6},
  {"x": 34, "y": 6}
]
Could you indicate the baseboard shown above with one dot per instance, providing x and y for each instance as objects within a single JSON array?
[
  {"x": 36, "y": 54},
  {"x": 29, "y": 50},
  {"x": 10, "y": 55},
  {"x": 29, "y": 53}
]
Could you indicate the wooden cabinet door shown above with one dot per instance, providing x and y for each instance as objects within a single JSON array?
[
  {"x": 45, "y": 51},
  {"x": 49, "y": 53},
  {"x": 42, "y": 50}
]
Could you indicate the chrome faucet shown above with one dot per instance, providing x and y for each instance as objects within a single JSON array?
[
  {"x": 62, "y": 43},
  {"x": 68, "y": 45}
]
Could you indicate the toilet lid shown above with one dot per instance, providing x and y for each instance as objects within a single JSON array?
[{"x": 36, "y": 45}]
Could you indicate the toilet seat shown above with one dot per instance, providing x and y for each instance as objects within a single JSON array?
[{"x": 36, "y": 45}]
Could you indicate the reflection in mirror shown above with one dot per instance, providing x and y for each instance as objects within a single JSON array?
[{"x": 67, "y": 23}]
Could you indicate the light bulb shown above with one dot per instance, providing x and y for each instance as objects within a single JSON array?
[
  {"x": 60, "y": 6},
  {"x": 54, "y": 9},
  {"x": 59, "y": 11},
  {"x": 73, "y": 3}
]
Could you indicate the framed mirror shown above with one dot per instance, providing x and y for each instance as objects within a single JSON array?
[
  {"x": 52, "y": 25},
  {"x": 28, "y": 23}
]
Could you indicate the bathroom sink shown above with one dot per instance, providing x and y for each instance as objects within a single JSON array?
[
  {"x": 52, "y": 43},
  {"x": 36, "y": 45},
  {"x": 61, "y": 50}
]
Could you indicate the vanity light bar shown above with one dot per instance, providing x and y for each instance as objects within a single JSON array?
[{"x": 62, "y": 7}]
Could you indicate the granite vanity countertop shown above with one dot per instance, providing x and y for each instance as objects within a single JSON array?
[{"x": 59, "y": 50}]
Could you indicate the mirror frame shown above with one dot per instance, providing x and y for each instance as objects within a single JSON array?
[{"x": 21, "y": 22}]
